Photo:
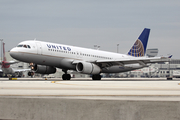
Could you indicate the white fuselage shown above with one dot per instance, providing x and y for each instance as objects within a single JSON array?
[{"x": 63, "y": 56}]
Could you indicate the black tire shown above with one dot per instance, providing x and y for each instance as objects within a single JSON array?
[
  {"x": 96, "y": 77},
  {"x": 66, "y": 76}
]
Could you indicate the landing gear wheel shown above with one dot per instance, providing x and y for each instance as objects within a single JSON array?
[
  {"x": 30, "y": 74},
  {"x": 96, "y": 77},
  {"x": 66, "y": 76}
]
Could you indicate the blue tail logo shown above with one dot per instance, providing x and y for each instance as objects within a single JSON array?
[{"x": 139, "y": 47}]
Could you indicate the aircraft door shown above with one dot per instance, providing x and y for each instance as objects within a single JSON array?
[
  {"x": 78, "y": 54},
  {"x": 39, "y": 48}
]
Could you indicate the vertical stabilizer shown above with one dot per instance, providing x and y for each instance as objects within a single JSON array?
[
  {"x": 4, "y": 56},
  {"x": 139, "y": 47}
]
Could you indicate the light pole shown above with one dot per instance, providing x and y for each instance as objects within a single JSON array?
[
  {"x": 95, "y": 46},
  {"x": 1, "y": 48},
  {"x": 117, "y": 48},
  {"x": 98, "y": 47}
]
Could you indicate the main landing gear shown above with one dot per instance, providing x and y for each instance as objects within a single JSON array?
[
  {"x": 96, "y": 77},
  {"x": 66, "y": 76}
]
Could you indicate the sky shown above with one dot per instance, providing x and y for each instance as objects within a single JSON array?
[{"x": 86, "y": 23}]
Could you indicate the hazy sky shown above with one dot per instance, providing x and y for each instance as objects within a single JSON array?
[{"x": 87, "y": 23}]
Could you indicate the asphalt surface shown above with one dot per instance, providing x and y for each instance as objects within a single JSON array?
[{"x": 121, "y": 89}]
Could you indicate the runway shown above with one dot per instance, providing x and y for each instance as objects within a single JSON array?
[
  {"x": 84, "y": 99},
  {"x": 117, "y": 89}
]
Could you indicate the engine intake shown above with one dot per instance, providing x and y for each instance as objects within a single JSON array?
[
  {"x": 43, "y": 69},
  {"x": 88, "y": 68}
]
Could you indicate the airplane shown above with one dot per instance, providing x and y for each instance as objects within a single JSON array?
[
  {"x": 6, "y": 68},
  {"x": 45, "y": 57}
]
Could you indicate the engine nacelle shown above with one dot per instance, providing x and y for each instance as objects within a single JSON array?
[
  {"x": 43, "y": 69},
  {"x": 87, "y": 68}
]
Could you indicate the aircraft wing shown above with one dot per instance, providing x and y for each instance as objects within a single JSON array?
[
  {"x": 10, "y": 62},
  {"x": 21, "y": 70},
  {"x": 140, "y": 60}
]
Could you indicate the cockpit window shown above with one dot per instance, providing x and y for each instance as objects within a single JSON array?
[
  {"x": 25, "y": 46},
  {"x": 28, "y": 46},
  {"x": 19, "y": 45}
]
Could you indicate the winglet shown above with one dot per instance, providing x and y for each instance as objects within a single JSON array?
[
  {"x": 139, "y": 47},
  {"x": 170, "y": 56}
]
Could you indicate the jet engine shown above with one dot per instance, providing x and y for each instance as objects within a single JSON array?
[
  {"x": 88, "y": 68},
  {"x": 43, "y": 69}
]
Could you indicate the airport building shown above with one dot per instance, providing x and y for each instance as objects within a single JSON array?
[{"x": 171, "y": 68}]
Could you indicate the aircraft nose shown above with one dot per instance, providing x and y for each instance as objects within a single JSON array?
[
  {"x": 16, "y": 54},
  {"x": 13, "y": 52}
]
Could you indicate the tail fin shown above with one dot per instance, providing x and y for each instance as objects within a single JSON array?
[
  {"x": 4, "y": 56},
  {"x": 170, "y": 56},
  {"x": 139, "y": 47}
]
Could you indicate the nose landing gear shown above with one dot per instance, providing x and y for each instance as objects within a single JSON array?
[{"x": 30, "y": 73}]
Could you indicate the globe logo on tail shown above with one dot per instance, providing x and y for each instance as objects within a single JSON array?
[{"x": 137, "y": 49}]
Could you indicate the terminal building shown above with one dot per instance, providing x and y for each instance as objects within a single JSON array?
[
  {"x": 166, "y": 69},
  {"x": 171, "y": 68}
]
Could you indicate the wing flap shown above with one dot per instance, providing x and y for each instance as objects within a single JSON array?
[{"x": 140, "y": 60}]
